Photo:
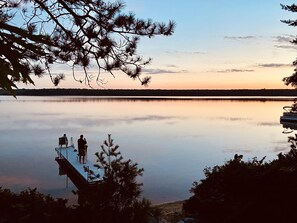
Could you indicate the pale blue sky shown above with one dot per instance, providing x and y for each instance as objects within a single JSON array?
[{"x": 217, "y": 44}]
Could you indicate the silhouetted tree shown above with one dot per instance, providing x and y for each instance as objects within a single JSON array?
[
  {"x": 31, "y": 206},
  {"x": 78, "y": 33},
  {"x": 247, "y": 191},
  {"x": 291, "y": 80},
  {"x": 117, "y": 197}
]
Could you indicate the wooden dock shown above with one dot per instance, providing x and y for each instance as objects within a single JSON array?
[{"x": 82, "y": 175}]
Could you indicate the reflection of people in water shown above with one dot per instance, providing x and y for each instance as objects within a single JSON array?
[{"x": 81, "y": 144}]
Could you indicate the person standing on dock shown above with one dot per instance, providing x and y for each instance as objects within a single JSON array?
[
  {"x": 81, "y": 144},
  {"x": 66, "y": 140}
]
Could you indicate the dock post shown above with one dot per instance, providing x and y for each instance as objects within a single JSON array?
[
  {"x": 71, "y": 141},
  {"x": 88, "y": 172}
]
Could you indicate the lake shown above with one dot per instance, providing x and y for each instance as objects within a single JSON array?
[{"x": 172, "y": 139}]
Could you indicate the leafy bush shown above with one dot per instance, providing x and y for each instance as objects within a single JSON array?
[
  {"x": 252, "y": 191},
  {"x": 32, "y": 206},
  {"x": 116, "y": 199}
]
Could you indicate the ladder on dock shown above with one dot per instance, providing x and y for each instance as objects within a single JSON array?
[{"x": 86, "y": 173}]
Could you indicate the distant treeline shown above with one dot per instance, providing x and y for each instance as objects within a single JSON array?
[{"x": 146, "y": 92}]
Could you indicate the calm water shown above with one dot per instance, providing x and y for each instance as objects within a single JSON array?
[{"x": 173, "y": 140}]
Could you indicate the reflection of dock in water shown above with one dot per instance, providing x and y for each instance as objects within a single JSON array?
[
  {"x": 289, "y": 118},
  {"x": 82, "y": 175},
  {"x": 289, "y": 115},
  {"x": 289, "y": 125}
]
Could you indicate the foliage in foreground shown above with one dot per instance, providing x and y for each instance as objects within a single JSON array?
[
  {"x": 35, "y": 35},
  {"x": 114, "y": 200},
  {"x": 117, "y": 197},
  {"x": 32, "y": 206},
  {"x": 291, "y": 80},
  {"x": 252, "y": 191}
]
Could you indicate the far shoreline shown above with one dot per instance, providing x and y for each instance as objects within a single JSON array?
[{"x": 158, "y": 93}]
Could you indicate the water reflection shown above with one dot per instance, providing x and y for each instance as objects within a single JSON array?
[
  {"x": 289, "y": 118},
  {"x": 173, "y": 140},
  {"x": 289, "y": 127}
]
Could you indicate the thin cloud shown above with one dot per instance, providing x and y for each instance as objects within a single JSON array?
[
  {"x": 240, "y": 37},
  {"x": 274, "y": 65},
  {"x": 268, "y": 124},
  {"x": 235, "y": 71},
  {"x": 237, "y": 150},
  {"x": 152, "y": 118},
  {"x": 232, "y": 118},
  {"x": 197, "y": 52},
  {"x": 285, "y": 42},
  {"x": 171, "y": 65},
  {"x": 186, "y": 52},
  {"x": 286, "y": 46},
  {"x": 284, "y": 39},
  {"x": 162, "y": 71}
]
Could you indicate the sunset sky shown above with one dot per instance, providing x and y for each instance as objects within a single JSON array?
[{"x": 217, "y": 44}]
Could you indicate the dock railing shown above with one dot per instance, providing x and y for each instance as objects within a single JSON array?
[{"x": 87, "y": 170}]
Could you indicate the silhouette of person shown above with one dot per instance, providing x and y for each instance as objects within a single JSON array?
[
  {"x": 81, "y": 144},
  {"x": 63, "y": 141},
  {"x": 66, "y": 140}
]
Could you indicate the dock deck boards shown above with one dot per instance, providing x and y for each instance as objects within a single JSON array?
[{"x": 69, "y": 156}]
